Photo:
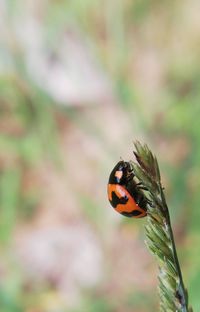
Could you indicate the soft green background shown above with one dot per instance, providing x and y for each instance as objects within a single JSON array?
[{"x": 79, "y": 81}]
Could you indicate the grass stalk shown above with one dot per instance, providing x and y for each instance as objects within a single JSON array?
[{"x": 160, "y": 238}]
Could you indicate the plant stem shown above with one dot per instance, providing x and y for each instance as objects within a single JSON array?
[{"x": 181, "y": 293}]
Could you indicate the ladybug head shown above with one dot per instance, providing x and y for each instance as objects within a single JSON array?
[{"x": 120, "y": 173}]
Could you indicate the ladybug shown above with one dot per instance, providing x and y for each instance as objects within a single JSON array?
[{"x": 125, "y": 194}]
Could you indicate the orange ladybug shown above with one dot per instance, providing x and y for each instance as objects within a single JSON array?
[{"x": 124, "y": 194}]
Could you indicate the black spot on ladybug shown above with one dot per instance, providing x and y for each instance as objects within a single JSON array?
[
  {"x": 134, "y": 213},
  {"x": 117, "y": 201}
]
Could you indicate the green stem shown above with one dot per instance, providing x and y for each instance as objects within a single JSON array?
[{"x": 181, "y": 293}]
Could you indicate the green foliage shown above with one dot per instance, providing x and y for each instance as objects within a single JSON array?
[
  {"x": 138, "y": 301},
  {"x": 9, "y": 201},
  {"x": 92, "y": 303}
]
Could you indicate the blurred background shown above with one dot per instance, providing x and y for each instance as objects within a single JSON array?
[{"x": 79, "y": 81}]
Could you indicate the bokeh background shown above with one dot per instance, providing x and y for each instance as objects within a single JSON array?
[{"x": 79, "y": 81}]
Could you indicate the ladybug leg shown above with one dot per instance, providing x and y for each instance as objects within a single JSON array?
[
  {"x": 130, "y": 176},
  {"x": 138, "y": 198},
  {"x": 142, "y": 203},
  {"x": 147, "y": 201},
  {"x": 142, "y": 187}
]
